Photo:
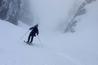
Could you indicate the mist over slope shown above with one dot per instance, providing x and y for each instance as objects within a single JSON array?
[
  {"x": 51, "y": 12},
  {"x": 55, "y": 48}
]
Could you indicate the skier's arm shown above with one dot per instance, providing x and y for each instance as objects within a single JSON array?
[
  {"x": 37, "y": 32},
  {"x": 31, "y": 28}
]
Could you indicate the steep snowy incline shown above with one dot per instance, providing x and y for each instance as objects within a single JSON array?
[
  {"x": 81, "y": 47},
  {"x": 14, "y": 52}
]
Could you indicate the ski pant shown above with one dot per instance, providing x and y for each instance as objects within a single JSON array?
[{"x": 30, "y": 38}]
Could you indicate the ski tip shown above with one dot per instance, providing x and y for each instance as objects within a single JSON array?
[{"x": 28, "y": 43}]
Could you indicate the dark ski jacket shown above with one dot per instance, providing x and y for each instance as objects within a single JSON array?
[{"x": 34, "y": 31}]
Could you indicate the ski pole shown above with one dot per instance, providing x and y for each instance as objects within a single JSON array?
[
  {"x": 24, "y": 34},
  {"x": 39, "y": 40}
]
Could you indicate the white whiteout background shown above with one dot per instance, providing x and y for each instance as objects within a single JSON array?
[{"x": 53, "y": 48}]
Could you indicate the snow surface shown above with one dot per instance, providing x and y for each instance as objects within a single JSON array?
[{"x": 53, "y": 48}]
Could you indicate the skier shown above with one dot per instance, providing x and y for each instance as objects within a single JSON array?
[{"x": 33, "y": 33}]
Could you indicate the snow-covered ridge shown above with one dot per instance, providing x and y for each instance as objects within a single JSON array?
[{"x": 79, "y": 48}]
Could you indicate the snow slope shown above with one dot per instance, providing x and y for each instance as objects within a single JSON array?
[
  {"x": 13, "y": 51},
  {"x": 79, "y": 48}
]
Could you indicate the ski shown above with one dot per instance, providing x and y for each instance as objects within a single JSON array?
[{"x": 28, "y": 43}]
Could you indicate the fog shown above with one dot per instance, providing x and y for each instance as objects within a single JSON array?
[{"x": 47, "y": 12}]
